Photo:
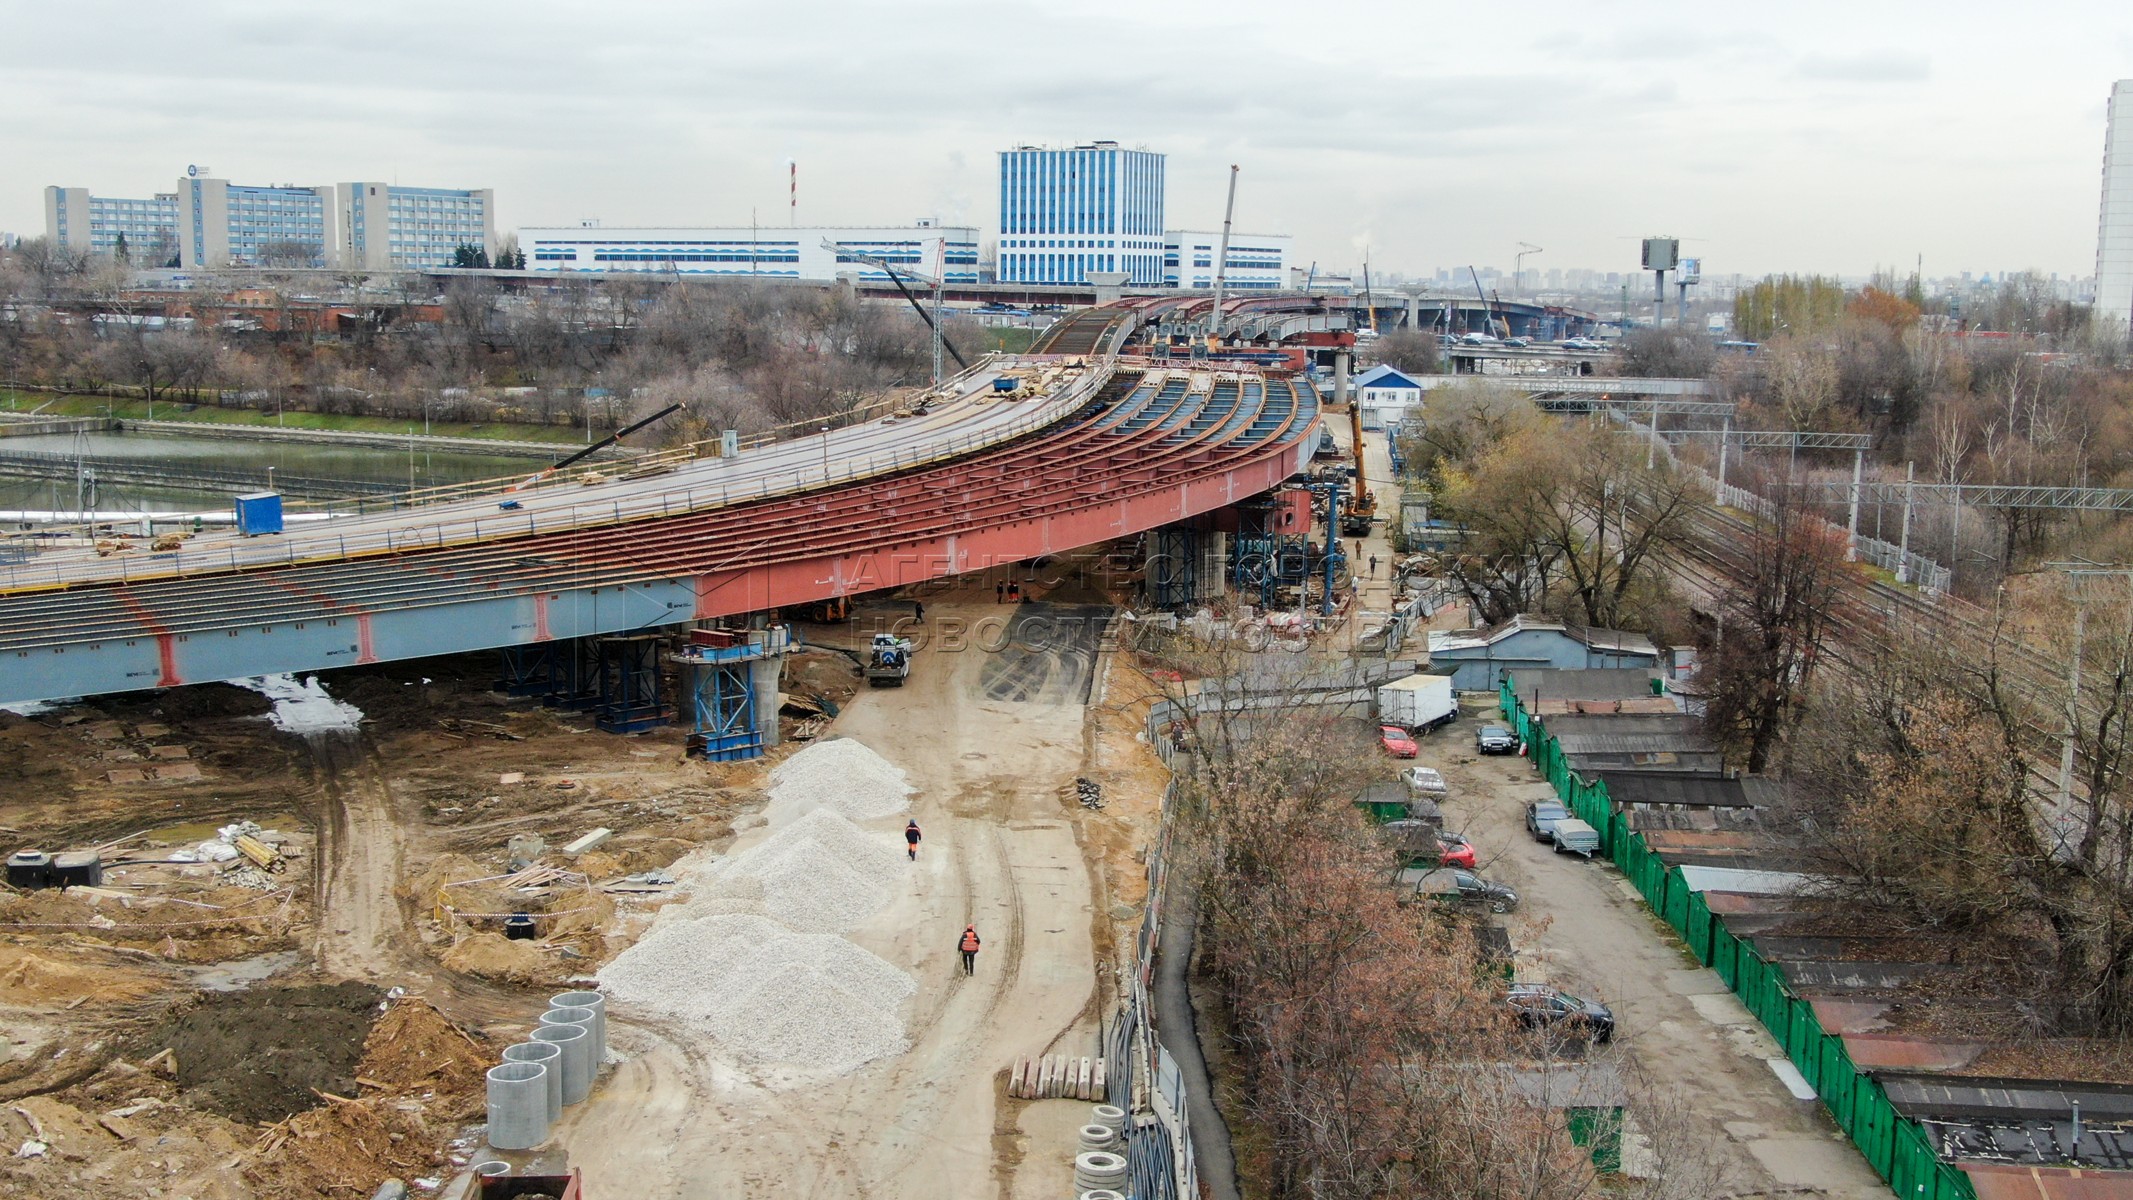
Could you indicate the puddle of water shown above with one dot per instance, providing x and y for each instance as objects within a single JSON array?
[
  {"x": 241, "y": 973},
  {"x": 200, "y": 831}
]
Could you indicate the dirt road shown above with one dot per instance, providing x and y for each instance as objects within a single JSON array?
[
  {"x": 988, "y": 739},
  {"x": 1582, "y": 926}
]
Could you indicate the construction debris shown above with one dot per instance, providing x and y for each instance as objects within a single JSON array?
[{"x": 1089, "y": 792}]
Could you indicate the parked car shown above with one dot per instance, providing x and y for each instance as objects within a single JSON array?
[
  {"x": 1539, "y": 1006},
  {"x": 1396, "y": 741},
  {"x": 1425, "y": 781},
  {"x": 1453, "y": 850},
  {"x": 1454, "y": 886},
  {"x": 1575, "y": 836},
  {"x": 1495, "y": 739},
  {"x": 1541, "y": 816}
]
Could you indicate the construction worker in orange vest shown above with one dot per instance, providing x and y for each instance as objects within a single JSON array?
[{"x": 968, "y": 944}]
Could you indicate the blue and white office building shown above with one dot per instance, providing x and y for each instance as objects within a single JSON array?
[
  {"x": 765, "y": 252},
  {"x": 97, "y": 224},
  {"x": 210, "y": 222},
  {"x": 1067, "y": 212}
]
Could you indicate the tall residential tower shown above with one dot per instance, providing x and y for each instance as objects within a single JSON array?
[
  {"x": 2114, "y": 227},
  {"x": 1067, "y": 212}
]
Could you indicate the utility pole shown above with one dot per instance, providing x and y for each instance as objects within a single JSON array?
[
  {"x": 1851, "y": 527},
  {"x": 1214, "y": 314},
  {"x": 1903, "y": 549}
]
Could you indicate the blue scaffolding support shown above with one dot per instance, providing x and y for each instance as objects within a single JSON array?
[
  {"x": 630, "y": 697},
  {"x": 719, "y": 669},
  {"x": 560, "y": 674}
]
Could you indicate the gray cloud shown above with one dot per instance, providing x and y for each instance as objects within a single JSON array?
[
  {"x": 1447, "y": 135},
  {"x": 1874, "y": 66}
]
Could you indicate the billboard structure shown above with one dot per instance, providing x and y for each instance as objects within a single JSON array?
[{"x": 1661, "y": 253}]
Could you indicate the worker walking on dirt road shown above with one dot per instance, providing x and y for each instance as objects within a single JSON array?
[
  {"x": 968, "y": 944},
  {"x": 911, "y": 839}
]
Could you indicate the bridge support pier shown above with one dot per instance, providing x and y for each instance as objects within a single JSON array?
[{"x": 730, "y": 690}]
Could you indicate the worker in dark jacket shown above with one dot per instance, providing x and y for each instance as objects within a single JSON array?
[
  {"x": 968, "y": 944},
  {"x": 911, "y": 839}
]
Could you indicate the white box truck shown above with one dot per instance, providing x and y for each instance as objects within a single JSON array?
[{"x": 1418, "y": 702}]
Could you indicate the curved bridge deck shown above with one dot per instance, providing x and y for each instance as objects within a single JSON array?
[{"x": 1110, "y": 449}]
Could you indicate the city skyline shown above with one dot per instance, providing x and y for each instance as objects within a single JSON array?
[{"x": 1844, "y": 141}]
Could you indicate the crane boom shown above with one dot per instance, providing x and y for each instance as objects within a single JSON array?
[
  {"x": 937, "y": 282},
  {"x": 1214, "y": 314}
]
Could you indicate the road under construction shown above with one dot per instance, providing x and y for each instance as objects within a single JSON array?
[{"x": 1018, "y": 458}]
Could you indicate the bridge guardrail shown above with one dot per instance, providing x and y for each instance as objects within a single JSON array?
[{"x": 333, "y": 547}]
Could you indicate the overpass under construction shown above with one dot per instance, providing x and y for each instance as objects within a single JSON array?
[{"x": 1018, "y": 458}]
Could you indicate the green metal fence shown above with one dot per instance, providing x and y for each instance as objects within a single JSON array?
[{"x": 1897, "y": 1147}]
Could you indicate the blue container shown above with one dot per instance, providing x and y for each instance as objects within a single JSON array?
[
  {"x": 1005, "y": 383},
  {"x": 259, "y": 512}
]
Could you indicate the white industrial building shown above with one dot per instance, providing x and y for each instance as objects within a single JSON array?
[
  {"x": 1257, "y": 262},
  {"x": 768, "y": 252},
  {"x": 2114, "y": 226}
]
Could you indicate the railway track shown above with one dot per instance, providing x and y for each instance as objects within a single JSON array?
[{"x": 1868, "y": 609}]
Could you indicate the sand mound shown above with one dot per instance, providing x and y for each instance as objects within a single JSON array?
[
  {"x": 34, "y": 980},
  {"x": 494, "y": 956}
]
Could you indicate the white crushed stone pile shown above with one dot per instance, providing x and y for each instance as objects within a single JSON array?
[
  {"x": 843, "y": 775},
  {"x": 303, "y": 706},
  {"x": 821, "y": 873},
  {"x": 769, "y": 995}
]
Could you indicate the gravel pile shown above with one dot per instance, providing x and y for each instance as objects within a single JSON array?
[
  {"x": 820, "y": 874},
  {"x": 843, "y": 775},
  {"x": 769, "y": 995},
  {"x": 752, "y": 957}
]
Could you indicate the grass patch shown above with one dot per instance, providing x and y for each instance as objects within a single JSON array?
[
  {"x": 46, "y": 404},
  {"x": 1004, "y": 339}
]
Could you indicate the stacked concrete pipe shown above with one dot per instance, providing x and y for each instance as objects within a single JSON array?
[
  {"x": 576, "y": 1043},
  {"x": 518, "y": 1105},
  {"x": 550, "y": 1055}
]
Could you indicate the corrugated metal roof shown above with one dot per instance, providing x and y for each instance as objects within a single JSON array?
[
  {"x": 1590, "y": 683},
  {"x": 2007, "y": 1181},
  {"x": 1700, "y": 790},
  {"x": 1991, "y": 1096},
  {"x": 1886, "y": 1051}
]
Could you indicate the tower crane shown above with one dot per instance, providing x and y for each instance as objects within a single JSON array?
[{"x": 938, "y": 282}]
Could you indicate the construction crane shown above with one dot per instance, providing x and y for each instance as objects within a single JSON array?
[
  {"x": 1214, "y": 313},
  {"x": 1505, "y": 329},
  {"x": 1518, "y": 268},
  {"x": 1370, "y": 307},
  {"x": 938, "y": 282}
]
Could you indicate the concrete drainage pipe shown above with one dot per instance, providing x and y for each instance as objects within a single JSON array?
[
  {"x": 552, "y": 1056},
  {"x": 577, "y": 1058},
  {"x": 1099, "y": 1169},
  {"x": 1103, "y": 1194},
  {"x": 1098, "y": 1137},
  {"x": 1110, "y": 1115},
  {"x": 518, "y": 1105},
  {"x": 596, "y": 1002}
]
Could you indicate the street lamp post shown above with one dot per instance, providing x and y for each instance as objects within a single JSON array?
[{"x": 825, "y": 454}]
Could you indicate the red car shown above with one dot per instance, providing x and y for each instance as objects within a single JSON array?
[
  {"x": 1395, "y": 740},
  {"x": 1456, "y": 850}
]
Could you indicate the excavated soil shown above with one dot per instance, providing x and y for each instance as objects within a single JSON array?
[{"x": 265, "y": 1054}]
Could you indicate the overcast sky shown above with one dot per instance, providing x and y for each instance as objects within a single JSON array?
[{"x": 1792, "y": 136}]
